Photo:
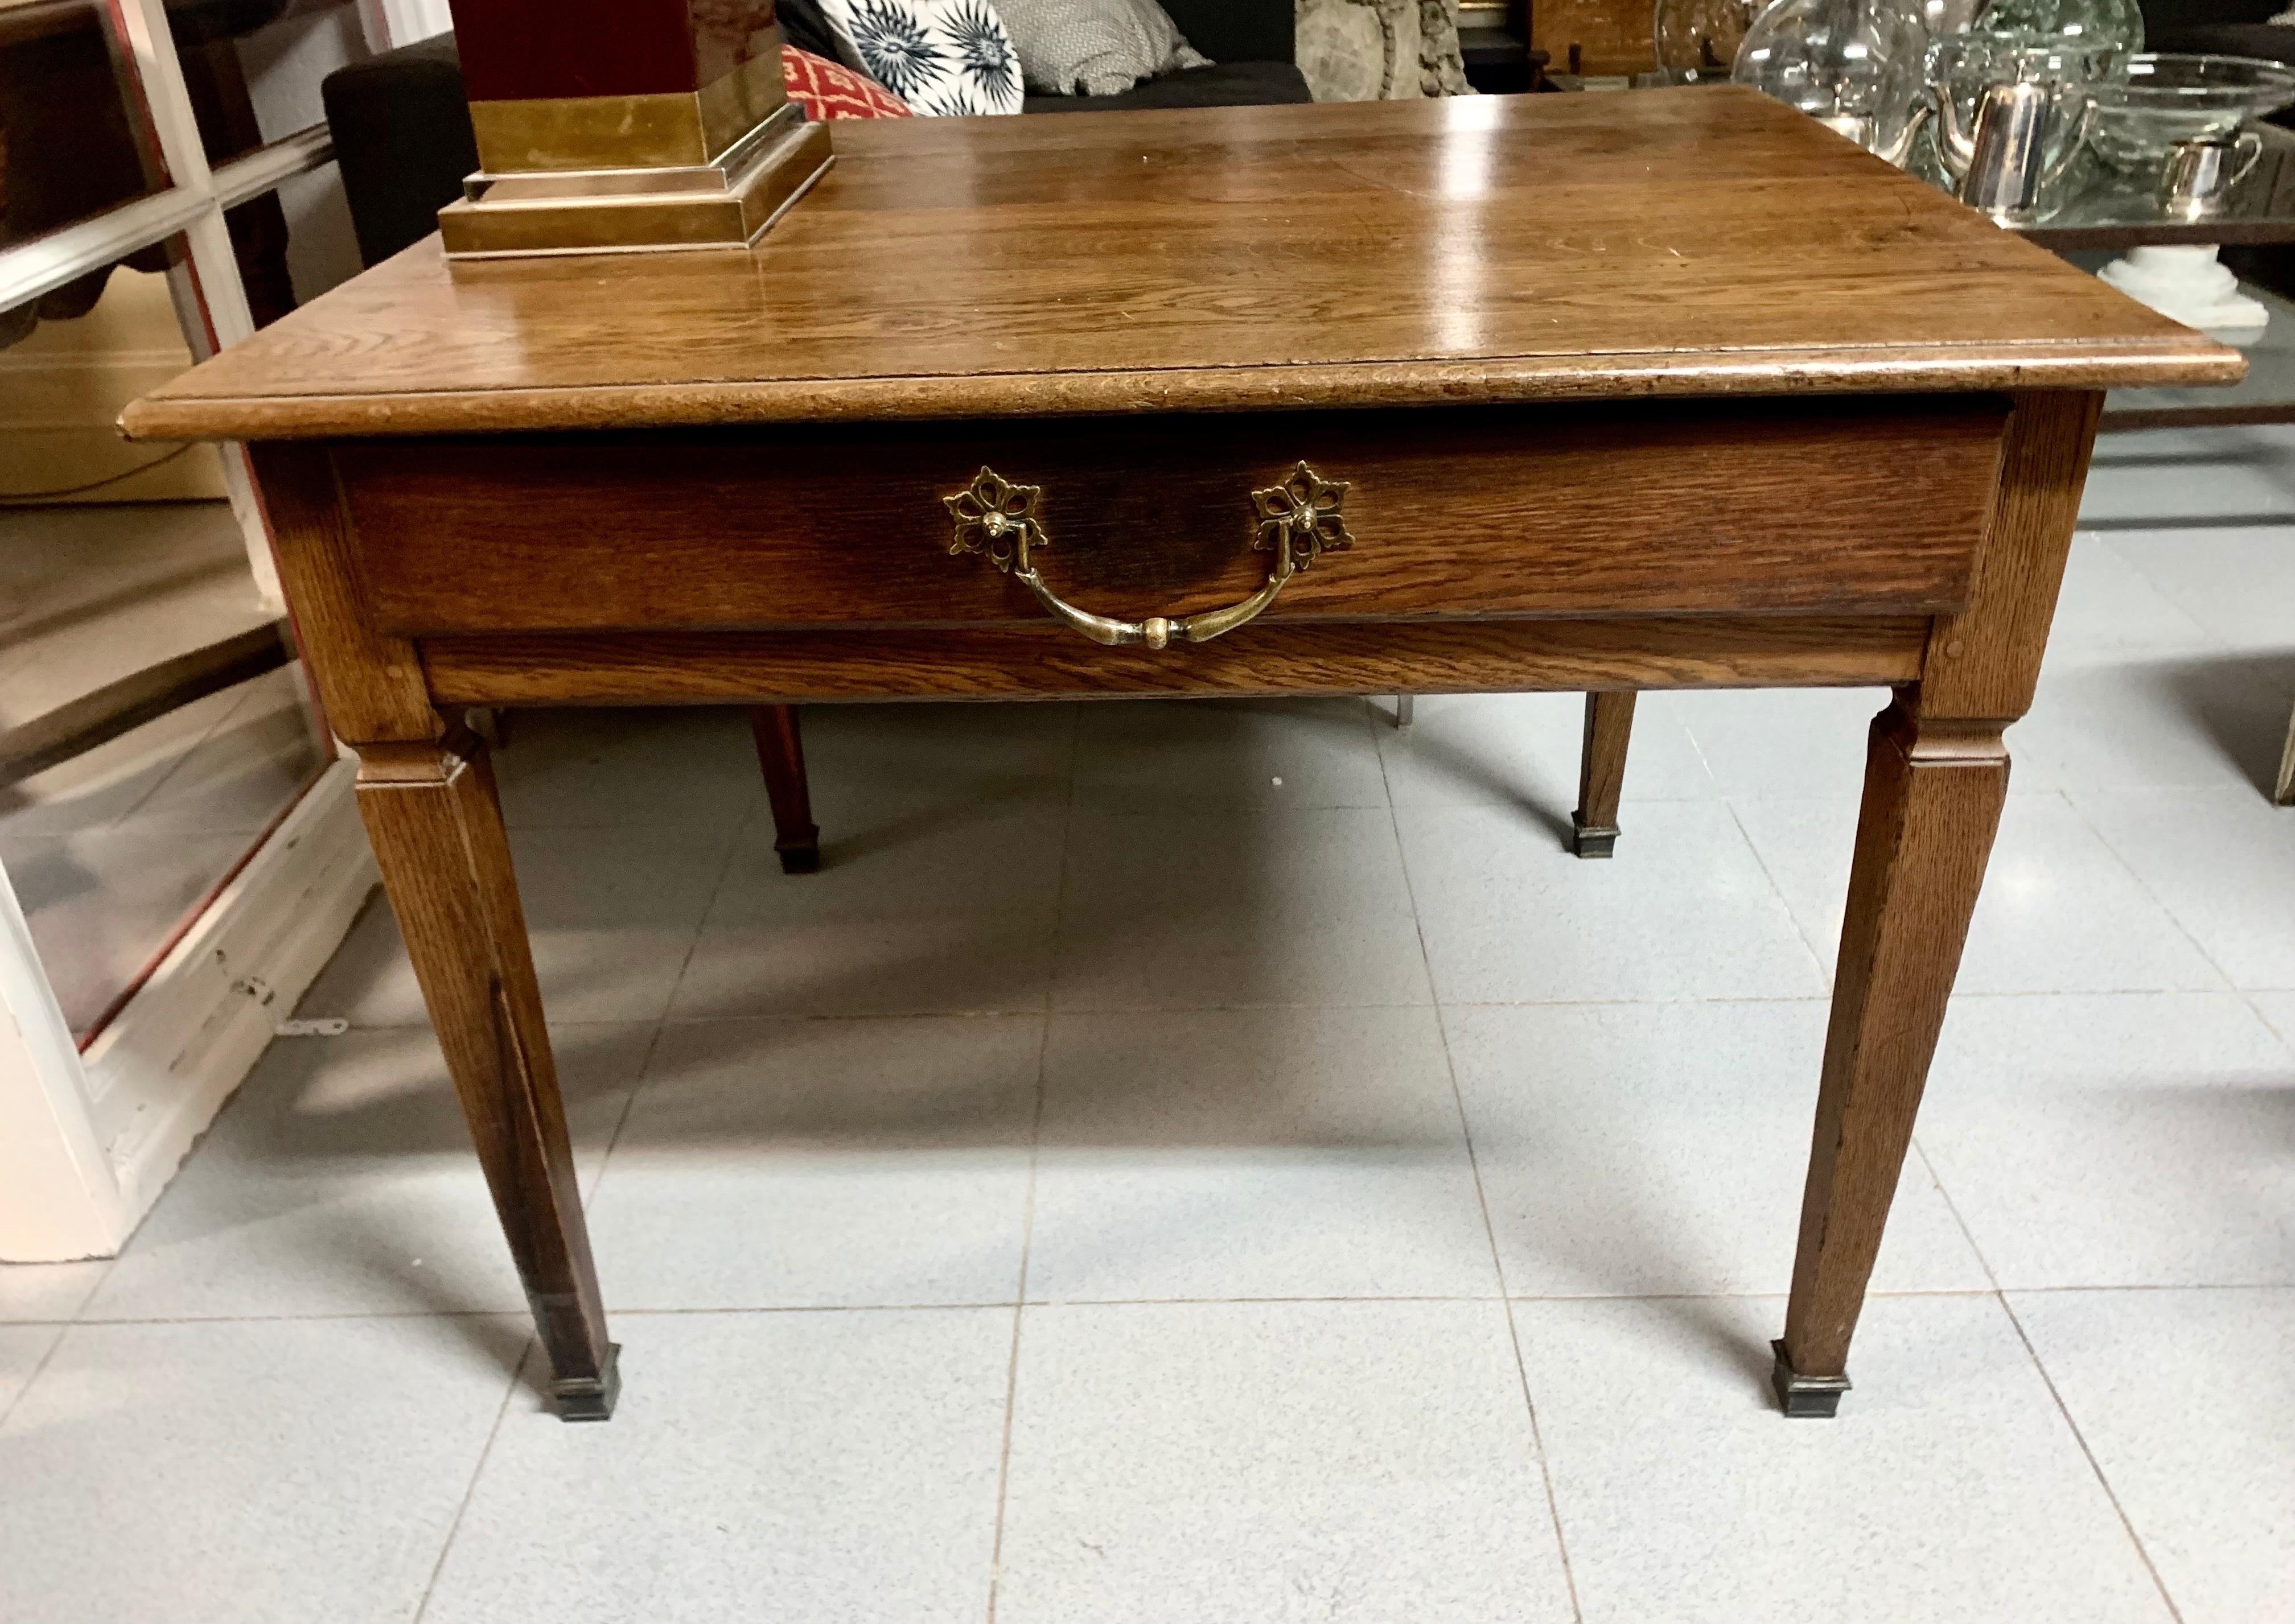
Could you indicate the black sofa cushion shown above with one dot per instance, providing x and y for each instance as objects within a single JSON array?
[
  {"x": 402, "y": 139},
  {"x": 1251, "y": 44},
  {"x": 805, "y": 26},
  {"x": 1237, "y": 30},
  {"x": 1221, "y": 84}
]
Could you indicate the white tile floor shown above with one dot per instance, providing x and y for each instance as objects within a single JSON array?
[{"x": 1225, "y": 1163}]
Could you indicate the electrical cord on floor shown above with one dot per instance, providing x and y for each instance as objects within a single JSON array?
[{"x": 16, "y": 499}]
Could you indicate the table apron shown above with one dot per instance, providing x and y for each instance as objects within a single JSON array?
[
  {"x": 1049, "y": 663},
  {"x": 1797, "y": 506}
]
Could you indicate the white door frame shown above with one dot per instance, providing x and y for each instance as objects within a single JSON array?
[{"x": 88, "y": 1140}]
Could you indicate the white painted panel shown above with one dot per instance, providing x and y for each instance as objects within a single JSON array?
[{"x": 58, "y": 1198}]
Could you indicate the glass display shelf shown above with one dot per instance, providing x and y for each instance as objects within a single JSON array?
[
  {"x": 2108, "y": 208},
  {"x": 2266, "y": 395}
]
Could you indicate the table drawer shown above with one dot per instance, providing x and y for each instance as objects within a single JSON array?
[{"x": 1825, "y": 506}]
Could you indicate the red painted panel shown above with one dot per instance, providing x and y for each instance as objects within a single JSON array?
[{"x": 515, "y": 50}]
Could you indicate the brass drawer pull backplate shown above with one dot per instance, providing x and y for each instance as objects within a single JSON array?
[{"x": 1300, "y": 519}]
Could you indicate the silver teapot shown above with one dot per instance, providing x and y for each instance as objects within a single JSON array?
[{"x": 2009, "y": 120}]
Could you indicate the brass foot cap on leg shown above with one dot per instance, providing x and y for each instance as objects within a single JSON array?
[
  {"x": 1592, "y": 839},
  {"x": 1800, "y": 1395},
  {"x": 590, "y": 1398}
]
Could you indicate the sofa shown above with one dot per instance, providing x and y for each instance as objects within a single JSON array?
[
  {"x": 402, "y": 124},
  {"x": 1250, "y": 42}
]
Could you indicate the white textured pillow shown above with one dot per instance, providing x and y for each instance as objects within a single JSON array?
[
  {"x": 948, "y": 57},
  {"x": 1095, "y": 47}
]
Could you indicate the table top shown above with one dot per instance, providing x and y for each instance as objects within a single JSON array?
[{"x": 1698, "y": 241}]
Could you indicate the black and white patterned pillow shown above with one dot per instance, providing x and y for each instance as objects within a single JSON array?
[{"x": 947, "y": 57}]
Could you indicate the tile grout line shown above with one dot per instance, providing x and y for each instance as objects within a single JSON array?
[
  {"x": 470, "y": 1489},
  {"x": 693, "y": 944},
  {"x": 727, "y": 1310},
  {"x": 1502, "y": 1296},
  {"x": 1482, "y": 1200},
  {"x": 731, "y": 1311},
  {"x": 1019, "y": 1314},
  {"x": 1991, "y": 1279},
  {"x": 1824, "y": 968},
  {"x": 1168, "y": 1303},
  {"x": 2213, "y": 641},
  {"x": 79, "y": 1309},
  {"x": 2157, "y": 1286},
  {"x": 2247, "y": 997},
  {"x": 1028, "y": 1202},
  {"x": 63, "y": 1329},
  {"x": 1514, "y": 1331},
  {"x": 957, "y": 1013},
  {"x": 1705, "y": 762},
  {"x": 2158, "y": 588},
  {"x": 2016, "y": 1323},
  {"x": 2143, "y": 1552},
  {"x": 638, "y": 1086},
  {"x": 2156, "y": 900}
]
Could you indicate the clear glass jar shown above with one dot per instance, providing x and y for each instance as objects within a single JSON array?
[
  {"x": 1854, "y": 65},
  {"x": 1943, "y": 17},
  {"x": 2116, "y": 26},
  {"x": 1696, "y": 41}
]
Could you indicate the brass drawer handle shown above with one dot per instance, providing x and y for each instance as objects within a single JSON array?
[{"x": 1300, "y": 518}]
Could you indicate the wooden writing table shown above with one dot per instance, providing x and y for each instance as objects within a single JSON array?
[{"x": 1669, "y": 390}]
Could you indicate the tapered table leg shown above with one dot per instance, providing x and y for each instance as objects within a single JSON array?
[
  {"x": 781, "y": 752},
  {"x": 2283, "y": 795},
  {"x": 1932, "y": 798},
  {"x": 1936, "y": 773},
  {"x": 432, "y": 812},
  {"x": 1602, "y": 773}
]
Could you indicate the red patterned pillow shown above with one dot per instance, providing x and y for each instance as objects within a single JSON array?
[{"x": 831, "y": 90}]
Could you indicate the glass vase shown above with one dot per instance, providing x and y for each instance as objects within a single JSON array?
[
  {"x": 1854, "y": 65},
  {"x": 2116, "y": 26},
  {"x": 1696, "y": 41}
]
